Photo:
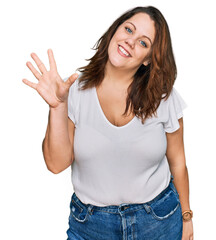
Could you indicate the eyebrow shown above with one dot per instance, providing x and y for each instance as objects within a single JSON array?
[{"x": 142, "y": 35}]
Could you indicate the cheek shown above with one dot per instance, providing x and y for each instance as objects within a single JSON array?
[
  {"x": 112, "y": 47},
  {"x": 142, "y": 54}
]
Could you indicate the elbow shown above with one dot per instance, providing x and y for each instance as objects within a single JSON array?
[
  {"x": 48, "y": 162},
  {"x": 56, "y": 165},
  {"x": 51, "y": 167},
  {"x": 56, "y": 168},
  {"x": 53, "y": 170}
]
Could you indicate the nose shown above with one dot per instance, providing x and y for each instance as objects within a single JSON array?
[{"x": 131, "y": 42}]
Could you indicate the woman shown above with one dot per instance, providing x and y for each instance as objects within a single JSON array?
[{"x": 119, "y": 125}]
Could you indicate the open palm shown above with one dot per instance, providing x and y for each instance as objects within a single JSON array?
[{"x": 50, "y": 85}]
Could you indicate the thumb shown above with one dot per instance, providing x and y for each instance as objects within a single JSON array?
[{"x": 71, "y": 79}]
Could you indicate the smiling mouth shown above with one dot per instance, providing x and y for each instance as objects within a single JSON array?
[{"x": 123, "y": 52}]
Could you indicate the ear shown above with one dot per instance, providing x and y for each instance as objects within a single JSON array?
[{"x": 146, "y": 62}]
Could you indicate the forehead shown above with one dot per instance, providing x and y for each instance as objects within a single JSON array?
[{"x": 144, "y": 24}]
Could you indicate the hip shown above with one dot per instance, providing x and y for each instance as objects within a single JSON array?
[{"x": 160, "y": 218}]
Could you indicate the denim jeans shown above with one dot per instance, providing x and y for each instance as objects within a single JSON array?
[{"x": 158, "y": 219}]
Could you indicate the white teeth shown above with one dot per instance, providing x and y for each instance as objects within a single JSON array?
[{"x": 123, "y": 51}]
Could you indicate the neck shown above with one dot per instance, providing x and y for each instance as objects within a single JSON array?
[{"x": 117, "y": 76}]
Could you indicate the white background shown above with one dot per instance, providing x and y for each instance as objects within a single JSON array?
[{"x": 34, "y": 203}]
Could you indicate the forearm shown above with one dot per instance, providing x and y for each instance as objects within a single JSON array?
[
  {"x": 57, "y": 147},
  {"x": 181, "y": 182}
]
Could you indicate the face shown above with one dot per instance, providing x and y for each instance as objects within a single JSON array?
[{"x": 131, "y": 43}]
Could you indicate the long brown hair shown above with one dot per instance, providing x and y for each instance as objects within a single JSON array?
[{"x": 150, "y": 82}]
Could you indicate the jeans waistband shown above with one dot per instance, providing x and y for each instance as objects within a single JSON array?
[{"x": 124, "y": 207}]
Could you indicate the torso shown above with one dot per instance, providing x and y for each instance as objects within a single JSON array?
[{"x": 113, "y": 104}]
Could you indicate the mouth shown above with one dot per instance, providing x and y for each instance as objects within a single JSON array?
[{"x": 123, "y": 52}]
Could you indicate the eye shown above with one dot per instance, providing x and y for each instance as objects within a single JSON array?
[
  {"x": 128, "y": 30},
  {"x": 143, "y": 43}
]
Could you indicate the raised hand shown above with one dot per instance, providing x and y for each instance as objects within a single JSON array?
[{"x": 50, "y": 85}]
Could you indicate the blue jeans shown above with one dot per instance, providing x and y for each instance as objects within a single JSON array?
[{"x": 158, "y": 219}]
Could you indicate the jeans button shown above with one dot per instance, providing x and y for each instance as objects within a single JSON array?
[{"x": 124, "y": 207}]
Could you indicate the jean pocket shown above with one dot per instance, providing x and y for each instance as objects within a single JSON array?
[
  {"x": 78, "y": 212},
  {"x": 165, "y": 206}
]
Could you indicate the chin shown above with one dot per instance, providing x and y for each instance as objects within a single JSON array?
[{"x": 115, "y": 61}]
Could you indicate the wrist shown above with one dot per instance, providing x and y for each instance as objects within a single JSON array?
[
  {"x": 61, "y": 106},
  {"x": 187, "y": 215}
]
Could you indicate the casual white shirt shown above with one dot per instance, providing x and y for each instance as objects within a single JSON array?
[{"x": 115, "y": 165}]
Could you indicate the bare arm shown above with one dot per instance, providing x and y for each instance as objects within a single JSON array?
[
  {"x": 58, "y": 142},
  {"x": 177, "y": 162}
]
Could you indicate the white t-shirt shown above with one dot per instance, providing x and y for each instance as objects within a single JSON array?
[{"x": 115, "y": 165}]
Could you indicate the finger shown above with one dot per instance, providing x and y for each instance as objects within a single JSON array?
[
  {"x": 52, "y": 60},
  {"x": 33, "y": 70},
  {"x": 39, "y": 63},
  {"x": 71, "y": 79},
  {"x": 30, "y": 84}
]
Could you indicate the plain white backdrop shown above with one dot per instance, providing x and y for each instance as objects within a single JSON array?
[{"x": 34, "y": 203}]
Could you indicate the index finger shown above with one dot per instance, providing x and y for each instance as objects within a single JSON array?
[{"x": 51, "y": 60}]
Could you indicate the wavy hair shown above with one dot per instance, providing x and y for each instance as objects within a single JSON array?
[{"x": 150, "y": 83}]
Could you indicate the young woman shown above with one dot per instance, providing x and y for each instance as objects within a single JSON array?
[{"x": 119, "y": 125}]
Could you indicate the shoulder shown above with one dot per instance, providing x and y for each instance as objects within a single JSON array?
[
  {"x": 174, "y": 97},
  {"x": 172, "y": 110}
]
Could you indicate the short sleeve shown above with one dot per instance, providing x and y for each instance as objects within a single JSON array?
[
  {"x": 73, "y": 101},
  {"x": 175, "y": 107}
]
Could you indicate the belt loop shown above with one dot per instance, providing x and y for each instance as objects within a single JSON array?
[
  {"x": 172, "y": 178},
  {"x": 147, "y": 208},
  {"x": 90, "y": 209}
]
